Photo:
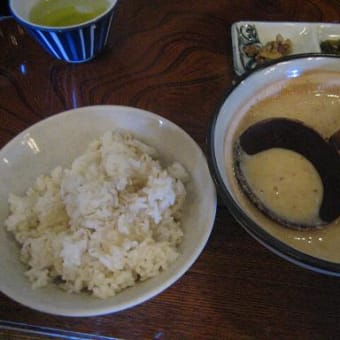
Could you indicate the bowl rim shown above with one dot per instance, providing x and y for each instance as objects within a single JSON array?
[
  {"x": 28, "y": 24},
  {"x": 155, "y": 290},
  {"x": 270, "y": 242}
]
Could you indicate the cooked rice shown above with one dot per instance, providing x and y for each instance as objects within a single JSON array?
[{"x": 110, "y": 221}]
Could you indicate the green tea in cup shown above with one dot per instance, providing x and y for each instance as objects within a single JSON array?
[
  {"x": 74, "y": 31},
  {"x": 58, "y": 13}
]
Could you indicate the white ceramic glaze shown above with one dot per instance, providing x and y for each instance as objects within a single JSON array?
[{"x": 57, "y": 141}]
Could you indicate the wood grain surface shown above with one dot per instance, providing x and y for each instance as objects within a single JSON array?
[{"x": 174, "y": 58}]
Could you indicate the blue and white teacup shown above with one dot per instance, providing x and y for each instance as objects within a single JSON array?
[{"x": 75, "y": 44}]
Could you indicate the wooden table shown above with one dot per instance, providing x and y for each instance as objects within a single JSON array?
[{"x": 174, "y": 58}]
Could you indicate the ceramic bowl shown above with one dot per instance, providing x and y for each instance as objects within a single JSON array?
[
  {"x": 322, "y": 254},
  {"x": 74, "y": 44},
  {"x": 60, "y": 139}
]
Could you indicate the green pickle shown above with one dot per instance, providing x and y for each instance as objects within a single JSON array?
[
  {"x": 58, "y": 13},
  {"x": 331, "y": 46}
]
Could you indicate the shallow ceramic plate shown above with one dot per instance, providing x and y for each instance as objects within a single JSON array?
[
  {"x": 57, "y": 141},
  {"x": 305, "y": 37}
]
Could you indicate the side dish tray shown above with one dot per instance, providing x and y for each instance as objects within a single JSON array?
[{"x": 304, "y": 38}]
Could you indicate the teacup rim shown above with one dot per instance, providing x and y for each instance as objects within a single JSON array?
[{"x": 30, "y": 24}]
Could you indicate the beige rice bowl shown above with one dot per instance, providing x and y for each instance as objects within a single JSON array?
[
  {"x": 106, "y": 223},
  {"x": 127, "y": 211}
]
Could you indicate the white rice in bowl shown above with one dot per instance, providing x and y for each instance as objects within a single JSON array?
[{"x": 110, "y": 221}]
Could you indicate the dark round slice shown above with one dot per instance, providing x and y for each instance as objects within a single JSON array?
[{"x": 295, "y": 136}]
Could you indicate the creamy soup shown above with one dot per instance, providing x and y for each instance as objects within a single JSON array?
[
  {"x": 313, "y": 98},
  {"x": 286, "y": 183}
]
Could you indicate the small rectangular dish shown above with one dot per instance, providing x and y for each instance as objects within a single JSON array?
[{"x": 250, "y": 37}]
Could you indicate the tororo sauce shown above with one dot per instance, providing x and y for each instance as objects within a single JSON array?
[
  {"x": 313, "y": 98},
  {"x": 286, "y": 183}
]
